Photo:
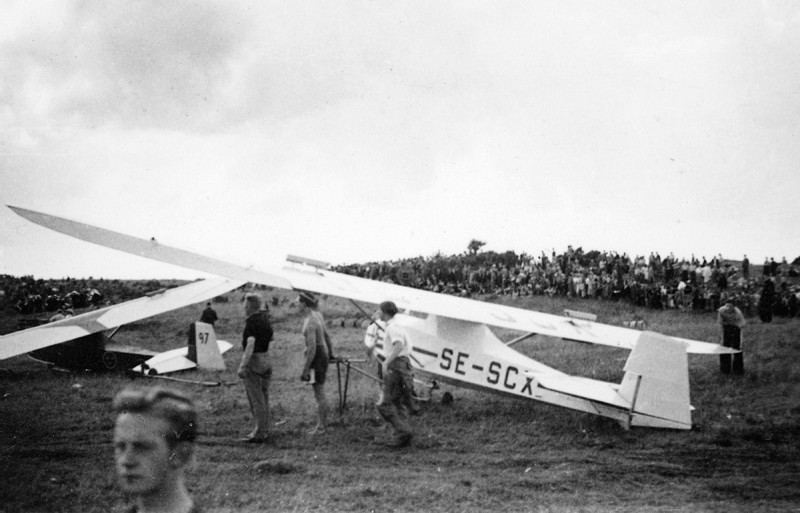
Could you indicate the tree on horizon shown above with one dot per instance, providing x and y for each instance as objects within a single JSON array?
[{"x": 474, "y": 246}]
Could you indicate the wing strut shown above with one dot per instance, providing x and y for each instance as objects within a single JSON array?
[
  {"x": 520, "y": 339},
  {"x": 368, "y": 316},
  {"x": 627, "y": 425}
]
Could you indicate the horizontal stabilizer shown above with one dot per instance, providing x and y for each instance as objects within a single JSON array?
[{"x": 178, "y": 360}]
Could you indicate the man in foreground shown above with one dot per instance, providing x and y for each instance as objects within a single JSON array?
[
  {"x": 154, "y": 439},
  {"x": 398, "y": 381}
]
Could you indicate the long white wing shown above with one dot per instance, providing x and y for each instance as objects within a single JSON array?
[
  {"x": 361, "y": 289},
  {"x": 28, "y": 340}
]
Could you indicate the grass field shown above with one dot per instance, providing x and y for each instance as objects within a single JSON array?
[{"x": 481, "y": 453}]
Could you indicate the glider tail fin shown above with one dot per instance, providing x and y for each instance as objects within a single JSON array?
[
  {"x": 203, "y": 347},
  {"x": 656, "y": 383}
]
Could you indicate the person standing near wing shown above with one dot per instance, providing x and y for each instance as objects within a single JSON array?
[
  {"x": 732, "y": 322},
  {"x": 255, "y": 368},
  {"x": 398, "y": 382},
  {"x": 209, "y": 315},
  {"x": 318, "y": 355}
]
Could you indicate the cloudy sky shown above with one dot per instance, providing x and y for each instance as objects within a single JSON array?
[{"x": 356, "y": 131}]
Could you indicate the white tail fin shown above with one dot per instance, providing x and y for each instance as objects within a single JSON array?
[
  {"x": 656, "y": 383},
  {"x": 203, "y": 347}
]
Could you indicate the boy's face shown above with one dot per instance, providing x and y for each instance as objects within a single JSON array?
[{"x": 144, "y": 459}]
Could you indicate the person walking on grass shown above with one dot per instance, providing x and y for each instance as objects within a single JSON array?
[
  {"x": 398, "y": 382},
  {"x": 318, "y": 355}
]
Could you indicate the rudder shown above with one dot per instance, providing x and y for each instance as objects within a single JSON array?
[
  {"x": 203, "y": 347},
  {"x": 656, "y": 383}
]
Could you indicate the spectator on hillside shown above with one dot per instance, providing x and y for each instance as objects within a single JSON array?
[
  {"x": 793, "y": 302},
  {"x": 766, "y": 301},
  {"x": 58, "y": 316}
]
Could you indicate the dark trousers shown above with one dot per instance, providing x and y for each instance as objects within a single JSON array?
[
  {"x": 731, "y": 337},
  {"x": 395, "y": 404}
]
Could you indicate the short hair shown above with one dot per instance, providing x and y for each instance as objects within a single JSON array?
[
  {"x": 389, "y": 308},
  {"x": 308, "y": 299},
  {"x": 253, "y": 300},
  {"x": 175, "y": 407}
]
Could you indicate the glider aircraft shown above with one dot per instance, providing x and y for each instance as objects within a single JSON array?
[
  {"x": 452, "y": 340},
  {"x": 84, "y": 342}
]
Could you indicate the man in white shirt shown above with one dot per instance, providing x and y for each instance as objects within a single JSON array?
[{"x": 398, "y": 381}]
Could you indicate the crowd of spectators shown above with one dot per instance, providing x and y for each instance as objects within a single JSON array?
[
  {"x": 29, "y": 295},
  {"x": 692, "y": 284}
]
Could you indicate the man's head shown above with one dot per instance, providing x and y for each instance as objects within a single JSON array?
[
  {"x": 387, "y": 310},
  {"x": 252, "y": 303},
  {"x": 308, "y": 300},
  {"x": 153, "y": 439}
]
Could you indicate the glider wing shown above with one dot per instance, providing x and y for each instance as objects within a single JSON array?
[
  {"x": 64, "y": 330},
  {"x": 371, "y": 291}
]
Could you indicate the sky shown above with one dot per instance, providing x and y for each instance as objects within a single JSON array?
[{"x": 358, "y": 131}]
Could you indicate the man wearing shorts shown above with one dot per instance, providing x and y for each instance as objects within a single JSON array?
[{"x": 318, "y": 354}]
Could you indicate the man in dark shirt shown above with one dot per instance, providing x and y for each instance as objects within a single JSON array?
[
  {"x": 209, "y": 316},
  {"x": 255, "y": 368},
  {"x": 766, "y": 301}
]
